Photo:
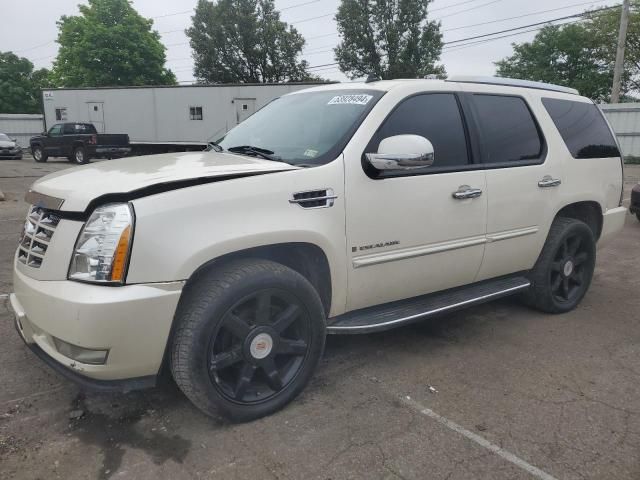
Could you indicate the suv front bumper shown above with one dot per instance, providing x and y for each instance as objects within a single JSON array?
[{"x": 131, "y": 322}]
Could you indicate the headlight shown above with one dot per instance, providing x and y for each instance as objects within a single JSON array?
[{"x": 102, "y": 251}]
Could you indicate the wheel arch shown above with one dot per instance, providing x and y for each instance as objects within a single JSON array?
[
  {"x": 587, "y": 211},
  {"x": 301, "y": 257},
  {"x": 308, "y": 259}
]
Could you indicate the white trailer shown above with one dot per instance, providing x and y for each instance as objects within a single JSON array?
[{"x": 162, "y": 119}]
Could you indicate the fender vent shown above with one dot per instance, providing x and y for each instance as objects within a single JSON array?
[{"x": 314, "y": 198}]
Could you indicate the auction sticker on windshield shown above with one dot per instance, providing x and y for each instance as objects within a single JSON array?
[{"x": 361, "y": 99}]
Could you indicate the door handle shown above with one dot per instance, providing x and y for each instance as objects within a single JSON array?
[
  {"x": 465, "y": 191},
  {"x": 548, "y": 181}
]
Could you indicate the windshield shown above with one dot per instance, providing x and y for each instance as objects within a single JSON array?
[
  {"x": 304, "y": 128},
  {"x": 4, "y": 138}
]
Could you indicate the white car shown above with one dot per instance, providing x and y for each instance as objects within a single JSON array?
[
  {"x": 9, "y": 148},
  {"x": 338, "y": 209}
]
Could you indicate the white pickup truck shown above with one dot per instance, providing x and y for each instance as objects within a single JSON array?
[{"x": 338, "y": 209}]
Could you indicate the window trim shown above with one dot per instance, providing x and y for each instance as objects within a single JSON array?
[
  {"x": 477, "y": 132},
  {"x": 61, "y": 110},
  {"x": 472, "y": 150},
  {"x": 192, "y": 116}
]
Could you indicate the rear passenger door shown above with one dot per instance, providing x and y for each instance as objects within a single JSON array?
[{"x": 524, "y": 180}]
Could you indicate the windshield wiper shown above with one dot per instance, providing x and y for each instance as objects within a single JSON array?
[
  {"x": 214, "y": 146},
  {"x": 256, "y": 151}
]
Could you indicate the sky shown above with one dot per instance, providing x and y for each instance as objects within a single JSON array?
[{"x": 29, "y": 29}]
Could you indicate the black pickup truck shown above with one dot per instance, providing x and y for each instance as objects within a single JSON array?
[{"x": 79, "y": 142}]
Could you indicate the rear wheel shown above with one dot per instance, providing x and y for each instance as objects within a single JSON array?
[
  {"x": 249, "y": 336},
  {"x": 638, "y": 216},
  {"x": 38, "y": 154},
  {"x": 563, "y": 272}
]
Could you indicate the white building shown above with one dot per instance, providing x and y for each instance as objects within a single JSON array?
[
  {"x": 21, "y": 126},
  {"x": 625, "y": 121},
  {"x": 162, "y": 118}
]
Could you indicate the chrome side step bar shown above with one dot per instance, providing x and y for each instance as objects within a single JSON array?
[{"x": 395, "y": 314}]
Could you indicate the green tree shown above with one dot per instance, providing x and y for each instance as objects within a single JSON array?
[
  {"x": 244, "y": 41},
  {"x": 388, "y": 39},
  {"x": 20, "y": 84},
  {"x": 109, "y": 44},
  {"x": 579, "y": 55}
]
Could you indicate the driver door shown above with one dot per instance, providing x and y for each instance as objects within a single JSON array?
[
  {"x": 54, "y": 140},
  {"x": 406, "y": 233}
]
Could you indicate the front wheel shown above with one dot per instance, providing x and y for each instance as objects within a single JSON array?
[
  {"x": 79, "y": 156},
  {"x": 249, "y": 336},
  {"x": 38, "y": 154},
  {"x": 563, "y": 272}
]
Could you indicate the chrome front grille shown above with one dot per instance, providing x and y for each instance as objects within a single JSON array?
[{"x": 37, "y": 233}]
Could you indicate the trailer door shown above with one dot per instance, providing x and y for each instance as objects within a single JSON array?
[
  {"x": 96, "y": 115},
  {"x": 245, "y": 107}
]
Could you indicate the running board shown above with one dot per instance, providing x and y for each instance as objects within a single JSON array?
[{"x": 395, "y": 314}]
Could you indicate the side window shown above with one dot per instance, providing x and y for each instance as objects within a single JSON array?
[
  {"x": 68, "y": 129},
  {"x": 507, "y": 129},
  {"x": 195, "y": 113},
  {"x": 55, "y": 131},
  {"x": 436, "y": 117},
  {"x": 582, "y": 128}
]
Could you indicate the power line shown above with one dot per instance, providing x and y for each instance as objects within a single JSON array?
[
  {"x": 321, "y": 36},
  {"x": 455, "y": 48},
  {"x": 452, "y": 5},
  {"x": 516, "y": 17},
  {"x": 296, "y": 5},
  {"x": 468, "y": 9},
  {"x": 34, "y": 47},
  {"x": 173, "y": 14},
  {"x": 323, "y": 65},
  {"x": 576, "y": 15},
  {"x": 312, "y": 18}
]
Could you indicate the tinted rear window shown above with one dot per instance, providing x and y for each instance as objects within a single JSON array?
[
  {"x": 583, "y": 128},
  {"x": 509, "y": 132}
]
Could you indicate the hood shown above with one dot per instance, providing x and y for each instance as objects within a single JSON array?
[
  {"x": 134, "y": 177},
  {"x": 7, "y": 144}
]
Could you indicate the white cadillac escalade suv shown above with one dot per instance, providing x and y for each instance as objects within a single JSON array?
[{"x": 338, "y": 209}]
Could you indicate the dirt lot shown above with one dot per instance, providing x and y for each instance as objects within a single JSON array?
[{"x": 495, "y": 392}]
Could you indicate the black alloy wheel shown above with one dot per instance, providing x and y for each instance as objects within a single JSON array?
[
  {"x": 249, "y": 335},
  {"x": 568, "y": 268},
  {"x": 562, "y": 275},
  {"x": 259, "y": 346}
]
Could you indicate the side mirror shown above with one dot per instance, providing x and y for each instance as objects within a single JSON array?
[{"x": 402, "y": 152}]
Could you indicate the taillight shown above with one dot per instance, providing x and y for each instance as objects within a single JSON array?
[{"x": 94, "y": 140}]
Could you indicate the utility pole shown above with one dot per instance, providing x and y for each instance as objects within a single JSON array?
[{"x": 622, "y": 38}]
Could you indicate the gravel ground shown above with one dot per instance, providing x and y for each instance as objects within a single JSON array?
[{"x": 495, "y": 392}]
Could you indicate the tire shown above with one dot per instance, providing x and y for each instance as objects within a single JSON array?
[
  {"x": 231, "y": 356},
  {"x": 39, "y": 155},
  {"x": 563, "y": 272},
  {"x": 79, "y": 155},
  {"x": 638, "y": 216}
]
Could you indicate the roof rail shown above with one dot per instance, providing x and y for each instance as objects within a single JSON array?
[{"x": 512, "y": 82}]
